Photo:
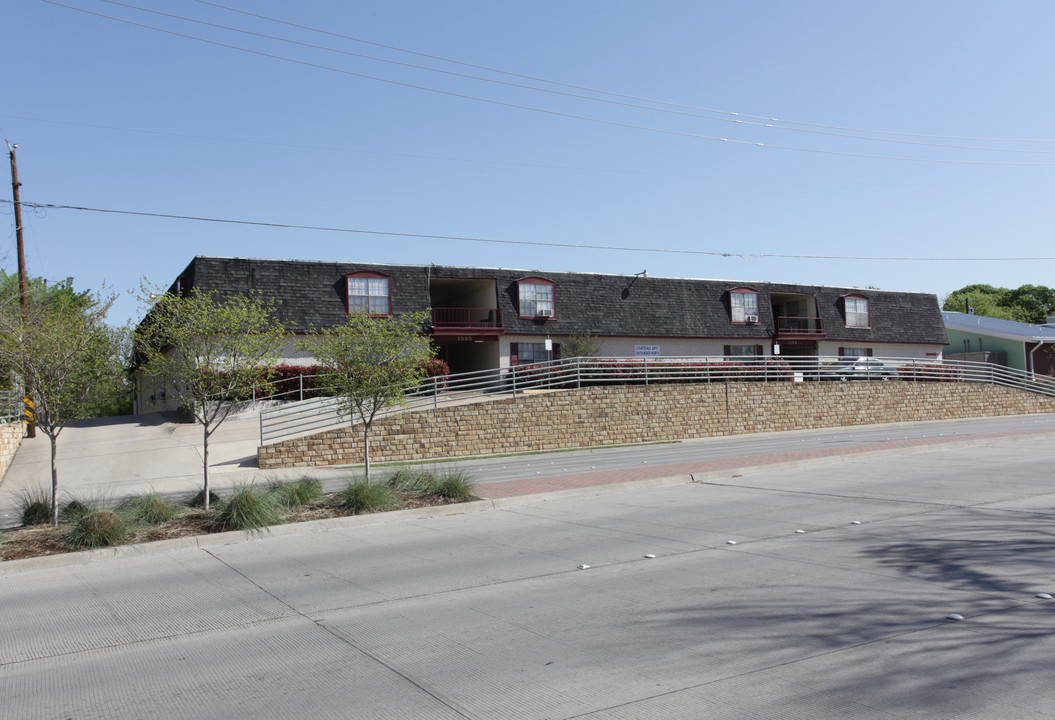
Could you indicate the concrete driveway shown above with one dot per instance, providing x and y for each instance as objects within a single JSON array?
[{"x": 114, "y": 457}]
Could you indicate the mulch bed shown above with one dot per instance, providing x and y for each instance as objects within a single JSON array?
[{"x": 39, "y": 540}]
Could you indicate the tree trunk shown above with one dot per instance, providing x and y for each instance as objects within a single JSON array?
[
  {"x": 54, "y": 482},
  {"x": 366, "y": 450},
  {"x": 205, "y": 463}
]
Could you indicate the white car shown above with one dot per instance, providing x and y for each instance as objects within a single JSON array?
[{"x": 859, "y": 368}]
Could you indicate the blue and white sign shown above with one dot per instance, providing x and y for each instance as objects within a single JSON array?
[{"x": 646, "y": 350}]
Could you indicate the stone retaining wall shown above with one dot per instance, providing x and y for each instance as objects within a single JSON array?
[
  {"x": 615, "y": 415},
  {"x": 10, "y": 439}
]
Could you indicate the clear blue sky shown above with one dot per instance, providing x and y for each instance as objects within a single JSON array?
[{"x": 113, "y": 116}]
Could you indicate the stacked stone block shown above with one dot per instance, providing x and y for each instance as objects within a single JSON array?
[
  {"x": 10, "y": 439},
  {"x": 615, "y": 415}
]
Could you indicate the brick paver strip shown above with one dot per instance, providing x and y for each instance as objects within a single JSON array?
[{"x": 532, "y": 486}]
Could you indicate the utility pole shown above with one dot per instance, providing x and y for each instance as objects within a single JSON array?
[{"x": 31, "y": 428}]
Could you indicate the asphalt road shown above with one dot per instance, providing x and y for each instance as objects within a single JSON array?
[{"x": 487, "y": 614}]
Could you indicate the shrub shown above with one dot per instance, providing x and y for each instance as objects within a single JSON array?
[
  {"x": 34, "y": 506},
  {"x": 198, "y": 499},
  {"x": 289, "y": 381},
  {"x": 73, "y": 510},
  {"x": 306, "y": 491},
  {"x": 152, "y": 509},
  {"x": 361, "y": 496},
  {"x": 99, "y": 528},
  {"x": 405, "y": 480},
  {"x": 456, "y": 486},
  {"x": 435, "y": 368},
  {"x": 585, "y": 345},
  {"x": 36, "y": 513},
  {"x": 930, "y": 372},
  {"x": 248, "y": 510}
]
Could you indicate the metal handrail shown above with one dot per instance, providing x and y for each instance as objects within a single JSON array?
[
  {"x": 11, "y": 406},
  {"x": 787, "y": 325},
  {"x": 298, "y": 418}
]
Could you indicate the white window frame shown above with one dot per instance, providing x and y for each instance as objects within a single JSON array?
[
  {"x": 743, "y": 303},
  {"x": 858, "y": 311},
  {"x": 535, "y": 296},
  {"x": 369, "y": 294}
]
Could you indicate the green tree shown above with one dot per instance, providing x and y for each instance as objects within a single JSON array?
[
  {"x": 1028, "y": 303},
  {"x": 207, "y": 350},
  {"x": 371, "y": 362},
  {"x": 1031, "y": 303},
  {"x": 585, "y": 345},
  {"x": 63, "y": 343}
]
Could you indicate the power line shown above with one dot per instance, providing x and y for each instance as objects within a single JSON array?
[
  {"x": 443, "y": 158},
  {"x": 623, "y": 103},
  {"x": 574, "y": 116},
  {"x": 615, "y": 94},
  {"x": 533, "y": 243}
]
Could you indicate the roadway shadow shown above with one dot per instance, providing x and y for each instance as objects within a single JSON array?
[{"x": 888, "y": 643}]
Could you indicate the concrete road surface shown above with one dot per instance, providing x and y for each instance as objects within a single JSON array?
[{"x": 487, "y": 614}]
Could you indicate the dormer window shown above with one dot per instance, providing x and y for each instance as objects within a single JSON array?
[
  {"x": 535, "y": 298},
  {"x": 856, "y": 309},
  {"x": 743, "y": 302},
  {"x": 370, "y": 293}
]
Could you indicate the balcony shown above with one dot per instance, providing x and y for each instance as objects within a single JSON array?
[
  {"x": 478, "y": 320},
  {"x": 800, "y": 327}
]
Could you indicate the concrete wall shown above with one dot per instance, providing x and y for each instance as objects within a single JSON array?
[
  {"x": 10, "y": 438},
  {"x": 615, "y": 415}
]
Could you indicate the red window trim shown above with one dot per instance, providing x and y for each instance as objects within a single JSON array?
[
  {"x": 367, "y": 274},
  {"x": 745, "y": 291},
  {"x": 857, "y": 296},
  {"x": 536, "y": 281},
  {"x": 842, "y": 352}
]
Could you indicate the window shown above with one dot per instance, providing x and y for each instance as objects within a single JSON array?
[
  {"x": 741, "y": 351},
  {"x": 856, "y": 308},
  {"x": 855, "y": 352},
  {"x": 744, "y": 305},
  {"x": 535, "y": 298},
  {"x": 533, "y": 353},
  {"x": 369, "y": 293},
  {"x": 529, "y": 353}
]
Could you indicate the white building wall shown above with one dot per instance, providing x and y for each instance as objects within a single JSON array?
[
  {"x": 896, "y": 350},
  {"x": 715, "y": 347},
  {"x": 625, "y": 347}
]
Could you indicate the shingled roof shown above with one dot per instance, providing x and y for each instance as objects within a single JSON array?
[{"x": 311, "y": 295}]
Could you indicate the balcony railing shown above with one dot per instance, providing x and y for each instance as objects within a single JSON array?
[
  {"x": 810, "y": 327},
  {"x": 452, "y": 319}
]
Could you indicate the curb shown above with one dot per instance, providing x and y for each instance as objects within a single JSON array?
[{"x": 233, "y": 537}]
